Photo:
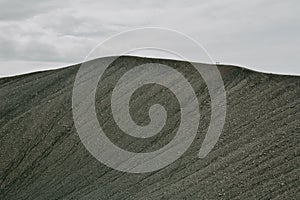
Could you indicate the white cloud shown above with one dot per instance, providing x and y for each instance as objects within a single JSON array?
[{"x": 260, "y": 34}]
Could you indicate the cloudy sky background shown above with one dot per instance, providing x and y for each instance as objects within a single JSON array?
[{"x": 258, "y": 34}]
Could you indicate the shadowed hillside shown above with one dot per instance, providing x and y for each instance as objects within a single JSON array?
[{"x": 256, "y": 157}]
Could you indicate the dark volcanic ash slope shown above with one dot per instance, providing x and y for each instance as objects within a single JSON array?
[{"x": 257, "y": 155}]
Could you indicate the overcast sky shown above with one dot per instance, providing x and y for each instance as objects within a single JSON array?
[{"x": 258, "y": 34}]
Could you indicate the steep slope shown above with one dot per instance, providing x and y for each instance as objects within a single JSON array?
[{"x": 257, "y": 155}]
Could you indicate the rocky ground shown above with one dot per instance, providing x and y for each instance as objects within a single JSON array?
[{"x": 256, "y": 157}]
